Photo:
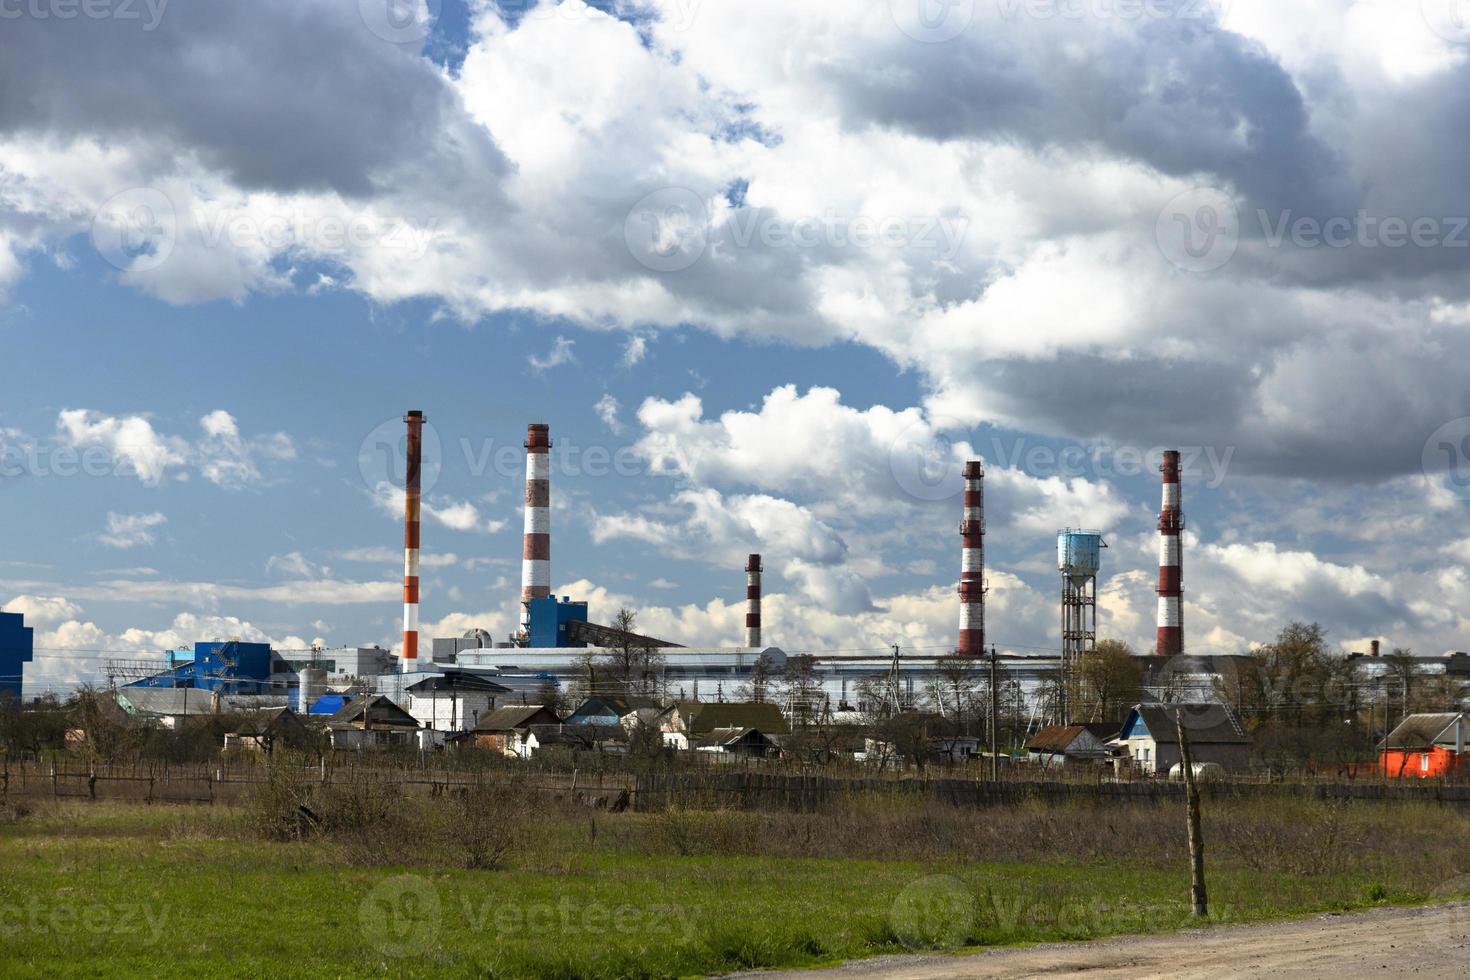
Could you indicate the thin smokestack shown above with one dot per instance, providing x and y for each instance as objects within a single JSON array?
[
  {"x": 972, "y": 563},
  {"x": 412, "y": 490},
  {"x": 536, "y": 550},
  {"x": 1171, "y": 584},
  {"x": 1375, "y": 648},
  {"x": 753, "y": 602}
]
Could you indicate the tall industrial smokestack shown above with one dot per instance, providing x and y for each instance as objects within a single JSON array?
[
  {"x": 753, "y": 602},
  {"x": 1171, "y": 523},
  {"x": 972, "y": 563},
  {"x": 412, "y": 489},
  {"x": 536, "y": 551}
]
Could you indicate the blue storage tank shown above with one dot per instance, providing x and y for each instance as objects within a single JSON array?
[{"x": 1079, "y": 553}]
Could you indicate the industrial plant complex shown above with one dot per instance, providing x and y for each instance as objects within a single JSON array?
[{"x": 477, "y": 688}]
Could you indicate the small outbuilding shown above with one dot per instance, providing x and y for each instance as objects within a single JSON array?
[
  {"x": 505, "y": 730},
  {"x": 1426, "y": 746},
  {"x": 1058, "y": 745}
]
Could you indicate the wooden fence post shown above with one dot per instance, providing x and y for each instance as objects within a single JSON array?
[
  {"x": 54, "y": 792},
  {"x": 92, "y": 784}
]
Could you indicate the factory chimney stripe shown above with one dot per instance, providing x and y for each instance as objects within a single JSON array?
[
  {"x": 972, "y": 563},
  {"x": 411, "y": 500},
  {"x": 753, "y": 602},
  {"x": 536, "y": 548},
  {"x": 1170, "y": 639}
]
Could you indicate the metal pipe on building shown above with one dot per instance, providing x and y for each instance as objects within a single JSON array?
[
  {"x": 412, "y": 492},
  {"x": 1171, "y": 590},
  {"x": 753, "y": 602},
  {"x": 972, "y": 563},
  {"x": 536, "y": 549}
]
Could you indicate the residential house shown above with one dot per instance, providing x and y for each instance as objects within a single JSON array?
[
  {"x": 1058, "y": 745},
  {"x": 684, "y": 724},
  {"x": 266, "y": 729},
  {"x": 1426, "y": 746},
  {"x": 504, "y": 730},
  {"x": 1149, "y": 737},
  {"x": 737, "y": 741},
  {"x": 607, "y": 739},
  {"x": 609, "y": 709},
  {"x": 372, "y": 721},
  {"x": 453, "y": 701}
]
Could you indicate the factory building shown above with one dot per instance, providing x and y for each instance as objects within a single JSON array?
[{"x": 16, "y": 650}]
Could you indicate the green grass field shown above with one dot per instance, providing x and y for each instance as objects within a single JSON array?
[{"x": 123, "y": 890}]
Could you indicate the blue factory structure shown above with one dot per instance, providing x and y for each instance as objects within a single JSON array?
[
  {"x": 16, "y": 650},
  {"x": 229, "y": 667},
  {"x": 551, "y": 621}
]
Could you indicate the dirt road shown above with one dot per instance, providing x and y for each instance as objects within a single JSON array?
[{"x": 1431, "y": 943}]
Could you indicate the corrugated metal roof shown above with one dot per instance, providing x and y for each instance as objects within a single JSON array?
[{"x": 1424, "y": 731}]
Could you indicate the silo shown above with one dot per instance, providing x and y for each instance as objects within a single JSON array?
[{"x": 313, "y": 686}]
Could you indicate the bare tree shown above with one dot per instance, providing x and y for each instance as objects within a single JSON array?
[
  {"x": 1108, "y": 682},
  {"x": 957, "y": 691},
  {"x": 632, "y": 665},
  {"x": 757, "y": 685}
]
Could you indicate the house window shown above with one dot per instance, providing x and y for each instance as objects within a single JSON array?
[{"x": 1424, "y": 762}]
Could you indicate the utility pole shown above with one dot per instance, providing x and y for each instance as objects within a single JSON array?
[
  {"x": 1199, "y": 900},
  {"x": 994, "y": 721}
]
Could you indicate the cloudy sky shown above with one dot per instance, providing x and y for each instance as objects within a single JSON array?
[{"x": 771, "y": 271}]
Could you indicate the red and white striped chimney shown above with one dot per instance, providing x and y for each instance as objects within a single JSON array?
[
  {"x": 536, "y": 551},
  {"x": 753, "y": 602},
  {"x": 412, "y": 488},
  {"x": 1171, "y": 592},
  {"x": 972, "y": 563}
]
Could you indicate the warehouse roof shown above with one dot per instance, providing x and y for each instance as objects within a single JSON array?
[{"x": 457, "y": 682}]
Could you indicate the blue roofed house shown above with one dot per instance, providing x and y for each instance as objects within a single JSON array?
[
  {"x": 1150, "y": 737},
  {"x": 16, "y": 650}
]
